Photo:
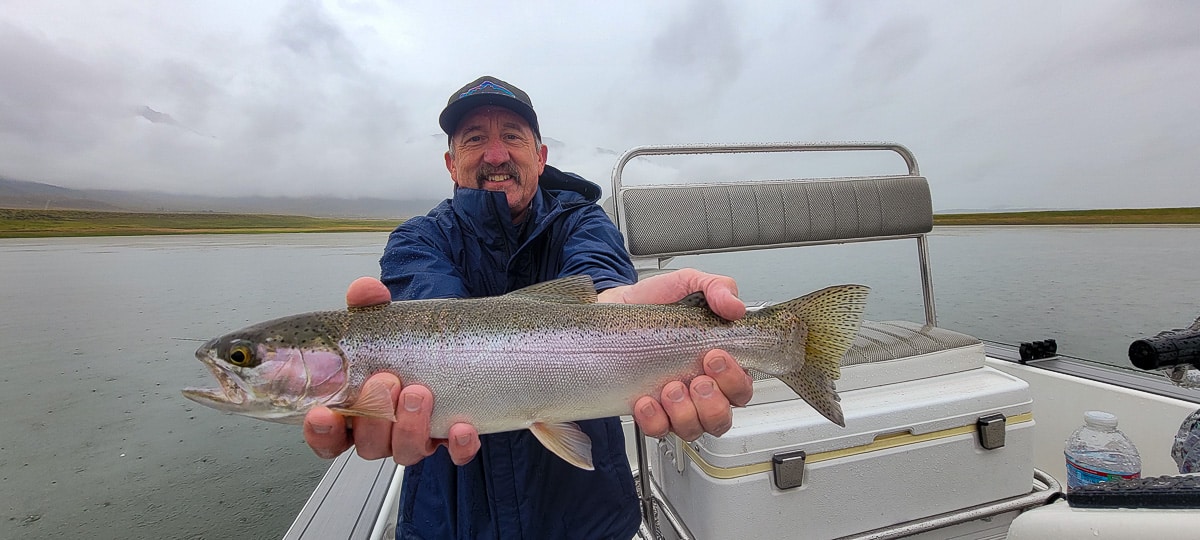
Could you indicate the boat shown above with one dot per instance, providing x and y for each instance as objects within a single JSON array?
[{"x": 946, "y": 436}]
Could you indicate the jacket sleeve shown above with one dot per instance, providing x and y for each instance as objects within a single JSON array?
[
  {"x": 414, "y": 267},
  {"x": 595, "y": 247}
]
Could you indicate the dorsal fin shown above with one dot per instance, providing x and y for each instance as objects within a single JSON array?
[{"x": 569, "y": 290}]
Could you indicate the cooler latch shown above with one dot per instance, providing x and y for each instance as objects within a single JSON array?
[
  {"x": 789, "y": 469},
  {"x": 991, "y": 430}
]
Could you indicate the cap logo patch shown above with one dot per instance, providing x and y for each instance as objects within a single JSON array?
[{"x": 487, "y": 87}]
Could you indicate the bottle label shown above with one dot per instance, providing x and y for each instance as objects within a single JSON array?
[{"x": 1081, "y": 475}]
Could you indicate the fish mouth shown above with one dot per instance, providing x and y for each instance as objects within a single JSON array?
[
  {"x": 237, "y": 395},
  {"x": 232, "y": 395}
]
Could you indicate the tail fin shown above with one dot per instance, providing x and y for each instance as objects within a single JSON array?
[{"x": 831, "y": 317}]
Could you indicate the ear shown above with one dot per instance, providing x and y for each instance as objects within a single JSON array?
[
  {"x": 450, "y": 167},
  {"x": 543, "y": 153}
]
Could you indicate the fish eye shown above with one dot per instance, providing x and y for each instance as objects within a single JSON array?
[{"x": 240, "y": 355}]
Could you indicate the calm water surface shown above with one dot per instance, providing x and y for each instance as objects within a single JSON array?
[
  {"x": 1093, "y": 289},
  {"x": 97, "y": 338}
]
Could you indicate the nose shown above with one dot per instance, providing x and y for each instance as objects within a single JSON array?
[{"x": 495, "y": 153}]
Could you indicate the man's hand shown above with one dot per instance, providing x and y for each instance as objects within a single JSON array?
[
  {"x": 703, "y": 406},
  {"x": 407, "y": 439}
]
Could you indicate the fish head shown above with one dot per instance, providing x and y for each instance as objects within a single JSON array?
[{"x": 275, "y": 371}]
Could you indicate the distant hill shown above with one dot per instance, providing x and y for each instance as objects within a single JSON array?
[
  {"x": 22, "y": 194},
  {"x": 1003, "y": 210},
  {"x": 18, "y": 194}
]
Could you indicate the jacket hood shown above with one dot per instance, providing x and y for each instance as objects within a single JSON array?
[
  {"x": 489, "y": 209},
  {"x": 554, "y": 179}
]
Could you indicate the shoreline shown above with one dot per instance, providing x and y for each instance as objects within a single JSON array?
[
  {"x": 1115, "y": 217},
  {"x": 29, "y": 223}
]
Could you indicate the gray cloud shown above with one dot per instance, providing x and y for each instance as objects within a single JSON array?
[
  {"x": 701, "y": 44},
  {"x": 51, "y": 98},
  {"x": 1005, "y": 103},
  {"x": 893, "y": 50},
  {"x": 305, "y": 29},
  {"x": 1134, "y": 31}
]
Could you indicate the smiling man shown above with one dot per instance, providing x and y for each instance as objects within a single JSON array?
[
  {"x": 515, "y": 221},
  {"x": 495, "y": 151},
  {"x": 495, "y": 146}
]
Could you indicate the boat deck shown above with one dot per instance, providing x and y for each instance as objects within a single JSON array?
[{"x": 348, "y": 501}]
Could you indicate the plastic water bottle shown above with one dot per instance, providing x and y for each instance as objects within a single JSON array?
[{"x": 1099, "y": 452}]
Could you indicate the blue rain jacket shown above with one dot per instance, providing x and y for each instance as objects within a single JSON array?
[{"x": 514, "y": 488}]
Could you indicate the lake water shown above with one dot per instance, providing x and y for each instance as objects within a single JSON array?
[
  {"x": 1093, "y": 289},
  {"x": 97, "y": 338}
]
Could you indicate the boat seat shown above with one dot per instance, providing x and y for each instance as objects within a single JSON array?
[
  {"x": 899, "y": 351},
  {"x": 662, "y": 221}
]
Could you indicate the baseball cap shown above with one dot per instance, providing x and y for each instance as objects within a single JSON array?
[{"x": 487, "y": 90}]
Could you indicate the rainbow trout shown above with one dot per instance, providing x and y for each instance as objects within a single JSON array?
[{"x": 537, "y": 358}]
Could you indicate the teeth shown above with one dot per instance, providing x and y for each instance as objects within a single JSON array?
[{"x": 497, "y": 177}]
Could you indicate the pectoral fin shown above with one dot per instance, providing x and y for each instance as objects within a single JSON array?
[
  {"x": 374, "y": 401},
  {"x": 566, "y": 441}
]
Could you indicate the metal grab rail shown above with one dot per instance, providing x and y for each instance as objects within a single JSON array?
[
  {"x": 1049, "y": 492},
  {"x": 753, "y": 148},
  {"x": 623, "y": 221},
  {"x": 1046, "y": 490}
]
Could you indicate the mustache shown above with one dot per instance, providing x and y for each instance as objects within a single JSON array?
[{"x": 508, "y": 168}]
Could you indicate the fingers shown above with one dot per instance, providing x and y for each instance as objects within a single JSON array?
[
  {"x": 373, "y": 436},
  {"x": 410, "y": 434},
  {"x": 406, "y": 440},
  {"x": 684, "y": 420},
  {"x": 691, "y": 411},
  {"x": 651, "y": 417},
  {"x": 325, "y": 433},
  {"x": 367, "y": 291},
  {"x": 733, "y": 381},
  {"x": 712, "y": 408},
  {"x": 698, "y": 408},
  {"x": 463, "y": 443},
  {"x": 719, "y": 291}
]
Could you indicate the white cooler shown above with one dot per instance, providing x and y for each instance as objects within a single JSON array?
[{"x": 929, "y": 429}]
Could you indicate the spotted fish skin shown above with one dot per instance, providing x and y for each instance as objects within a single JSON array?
[{"x": 538, "y": 358}]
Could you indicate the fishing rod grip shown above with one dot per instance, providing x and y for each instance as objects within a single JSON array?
[{"x": 1166, "y": 350}]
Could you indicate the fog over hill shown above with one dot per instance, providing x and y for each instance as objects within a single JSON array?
[{"x": 22, "y": 194}]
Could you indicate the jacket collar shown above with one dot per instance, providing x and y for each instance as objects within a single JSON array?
[{"x": 486, "y": 212}]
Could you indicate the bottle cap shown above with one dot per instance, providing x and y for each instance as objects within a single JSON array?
[{"x": 1100, "y": 419}]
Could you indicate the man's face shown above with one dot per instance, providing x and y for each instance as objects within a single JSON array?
[{"x": 494, "y": 149}]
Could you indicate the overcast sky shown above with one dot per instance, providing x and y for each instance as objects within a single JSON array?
[{"x": 1005, "y": 103}]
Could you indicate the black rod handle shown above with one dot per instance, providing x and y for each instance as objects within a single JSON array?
[{"x": 1166, "y": 350}]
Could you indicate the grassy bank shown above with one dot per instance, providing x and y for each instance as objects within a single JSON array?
[
  {"x": 1129, "y": 216},
  {"x": 21, "y": 223}
]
